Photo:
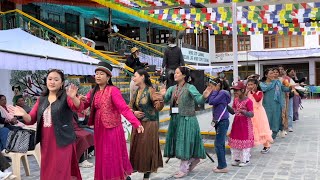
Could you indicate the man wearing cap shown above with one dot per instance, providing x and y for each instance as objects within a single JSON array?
[
  {"x": 134, "y": 63},
  {"x": 172, "y": 59}
]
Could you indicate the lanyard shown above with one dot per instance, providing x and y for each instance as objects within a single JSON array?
[{"x": 178, "y": 92}]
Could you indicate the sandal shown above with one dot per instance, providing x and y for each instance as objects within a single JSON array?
[
  {"x": 193, "y": 164},
  {"x": 86, "y": 164},
  {"x": 180, "y": 175}
]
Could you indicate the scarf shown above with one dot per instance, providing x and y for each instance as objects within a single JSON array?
[{"x": 5, "y": 114}]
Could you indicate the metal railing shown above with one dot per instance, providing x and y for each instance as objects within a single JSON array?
[{"x": 18, "y": 19}]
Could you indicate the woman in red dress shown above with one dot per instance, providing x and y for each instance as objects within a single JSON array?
[
  {"x": 53, "y": 113},
  {"x": 106, "y": 106}
]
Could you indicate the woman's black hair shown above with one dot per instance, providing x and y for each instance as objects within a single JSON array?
[
  {"x": 289, "y": 70},
  {"x": 223, "y": 84},
  {"x": 147, "y": 80},
  {"x": 185, "y": 71},
  {"x": 256, "y": 82},
  {"x": 265, "y": 73},
  {"x": 1, "y": 95},
  {"x": 62, "y": 90},
  {"x": 16, "y": 87},
  {"x": 276, "y": 69}
]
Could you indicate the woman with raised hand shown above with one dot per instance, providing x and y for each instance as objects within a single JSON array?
[
  {"x": 53, "y": 113},
  {"x": 184, "y": 140},
  {"x": 107, "y": 105}
]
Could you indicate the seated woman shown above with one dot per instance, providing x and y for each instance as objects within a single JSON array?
[
  {"x": 84, "y": 142},
  {"x": 5, "y": 120},
  {"x": 8, "y": 119}
]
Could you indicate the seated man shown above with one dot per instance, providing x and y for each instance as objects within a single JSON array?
[
  {"x": 21, "y": 103},
  {"x": 133, "y": 62}
]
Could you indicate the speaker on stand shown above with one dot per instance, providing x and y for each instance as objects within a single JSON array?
[{"x": 198, "y": 80}]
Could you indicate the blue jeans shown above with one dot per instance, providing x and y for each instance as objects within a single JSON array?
[
  {"x": 290, "y": 113},
  {"x": 220, "y": 148},
  {"x": 3, "y": 137}
]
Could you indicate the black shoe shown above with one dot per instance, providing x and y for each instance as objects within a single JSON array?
[
  {"x": 128, "y": 178},
  {"x": 147, "y": 175},
  {"x": 265, "y": 150}
]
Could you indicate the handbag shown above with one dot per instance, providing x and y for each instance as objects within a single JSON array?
[
  {"x": 215, "y": 122},
  {"x": 21, "y": 140}
]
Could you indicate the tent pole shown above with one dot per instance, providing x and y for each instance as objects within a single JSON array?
[{"x": 235, "y": 42}]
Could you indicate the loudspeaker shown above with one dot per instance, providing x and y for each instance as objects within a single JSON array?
[{"x": 197, "y": 79}]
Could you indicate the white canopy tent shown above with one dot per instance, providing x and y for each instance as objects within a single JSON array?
[{"x": 20, "y": 50}]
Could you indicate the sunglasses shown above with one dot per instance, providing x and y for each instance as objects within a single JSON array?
[{"x": 212, "y": 82}]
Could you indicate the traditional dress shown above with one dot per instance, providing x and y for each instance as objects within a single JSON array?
[
  {"x": 273, "y": 102},
  {"x": 241, "y": 138},
  {"x": 56, "y": 162},
  {"x": 261, "y": 128},
  {"x": 183, "y": 139},
  {"x": 145, "y": 152},
  {"x": 111, "y": 155}
]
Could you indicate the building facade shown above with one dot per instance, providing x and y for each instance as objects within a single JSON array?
[{"x": 258, "y": 52}]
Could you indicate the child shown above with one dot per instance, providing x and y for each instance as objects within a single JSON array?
[
  {"x": 241, "y": 137},
  {"x": 261, "y": 128},
  {"x": 219, "y": 99}
]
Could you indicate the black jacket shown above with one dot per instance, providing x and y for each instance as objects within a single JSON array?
[
  {"x": 134, "y": 63},
  {"x": 62, "y": 117},
  {"x": 172, "y": 58}
]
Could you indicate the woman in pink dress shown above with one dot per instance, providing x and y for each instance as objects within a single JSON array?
[
  {"x": 53, "y": 113},
  {"x": 261, "y": 128},
  {"x": 107, "y": 105},
  {"x": 241, "y": 137}
]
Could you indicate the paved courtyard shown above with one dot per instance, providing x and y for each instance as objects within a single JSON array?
[{"x": 295, "y": 157}]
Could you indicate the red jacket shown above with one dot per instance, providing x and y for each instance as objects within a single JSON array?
[{"x": 112, "y": 106}]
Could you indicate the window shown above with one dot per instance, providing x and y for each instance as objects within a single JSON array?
[
  {"x": 96, "y": 29},
  {"x": 203, "y": 40},
  {"x": 283, "y": 41},
  {"x": 161, "y": 36},
  {"x": 32, "y": 10},
  {"x": 54, "y": 17},
  {"x": 190, "y": 38},
  {"x": 72, "y": 24},
  {"x": 224, "y": 43}
]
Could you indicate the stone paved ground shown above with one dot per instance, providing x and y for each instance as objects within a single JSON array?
[{"x": 296, "y": 157}]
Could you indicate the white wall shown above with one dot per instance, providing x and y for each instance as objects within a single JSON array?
[
  {"x": 256, "y": 42},
  {"x": 311, "y": 41},
  {"x": 5, "y": 88}
]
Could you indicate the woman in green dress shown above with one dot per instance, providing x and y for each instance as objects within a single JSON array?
[
  {"x": 273, "y": 100},
  {"x": 184, "y": 140},
  {"x": 145, "y": 152}
]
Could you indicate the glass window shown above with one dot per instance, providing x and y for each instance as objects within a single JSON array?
[
  {"x": 283, "y": 41},
  {"x": 224, "y": 43}
]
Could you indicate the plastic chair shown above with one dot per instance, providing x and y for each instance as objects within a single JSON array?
[{"x": 17, "y": 157}]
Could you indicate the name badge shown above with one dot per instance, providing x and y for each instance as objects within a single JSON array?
[{"x": 175, "y": 110}]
